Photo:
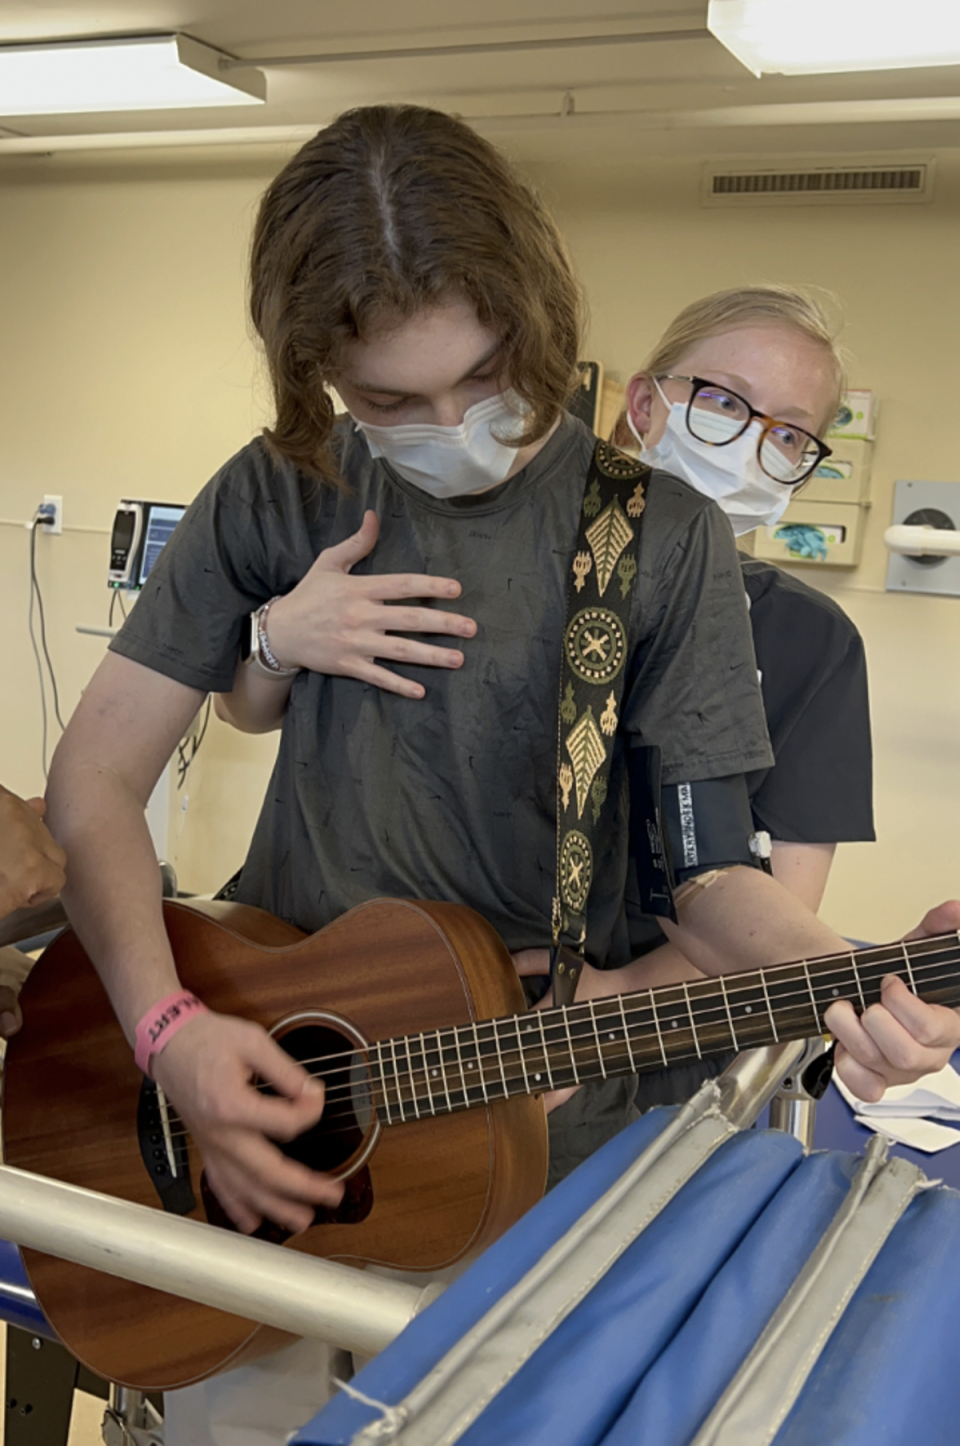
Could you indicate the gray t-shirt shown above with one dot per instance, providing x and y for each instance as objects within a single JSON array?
[{"x": 453, "y": 797}]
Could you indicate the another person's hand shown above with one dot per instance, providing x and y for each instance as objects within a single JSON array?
[
  {"x": 209, "y": 1071},
  {"x": 32, "y": 863},
  {"x": 335, "y": 623}
]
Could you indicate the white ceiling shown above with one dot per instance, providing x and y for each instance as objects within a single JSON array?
[{"x": 676, "y": 96}]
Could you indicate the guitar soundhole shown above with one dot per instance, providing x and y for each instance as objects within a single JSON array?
[
  {"x": 343, "y": 1139},
  {"x": 348, "y": 1114}
]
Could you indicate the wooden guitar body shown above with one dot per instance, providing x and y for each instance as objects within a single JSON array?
[{"x": 430, "y": 1192}]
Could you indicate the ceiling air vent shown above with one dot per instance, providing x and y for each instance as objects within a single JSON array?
[{"x": 806, "y": 185}]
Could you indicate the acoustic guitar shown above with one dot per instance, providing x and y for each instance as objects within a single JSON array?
[{"x": 413, "y": 1016}]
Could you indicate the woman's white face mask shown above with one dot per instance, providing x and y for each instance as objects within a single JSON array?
[
  {"x": 453, "y": 461},
  {"x": 731, "y": 474}
]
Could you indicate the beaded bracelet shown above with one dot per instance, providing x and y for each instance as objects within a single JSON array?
[
  {"x": 161, "y": 1022},
  {"x": 261, "y": 653}
]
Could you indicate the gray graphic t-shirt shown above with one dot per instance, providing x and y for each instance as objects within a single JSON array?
[{"x": 453, "y": 797}]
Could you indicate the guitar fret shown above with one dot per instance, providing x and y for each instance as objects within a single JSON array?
[
  {"x": 443, "y": 1070},
  {"x": 546, "y": 1053},
  {"x": 626, "y": 1034},
  {"x": 813, "y": 997},
  {"x": 396, "y": 1075},
  {"x": 573, "y": 1057},
  {"x": 656, "y": 1025},
  {"x": 428, "y": 1071},
  {"x": 412, "y": 1083},
  {"x": 596, "y": 1034},
  {"x": 533, "y": 1024},
  {"x": 726, "y": 1005},
  {"x": 376, "y": 1062},
  {"x": 461, "y": 1067},
  {"x": 693, "y": 1027},
  {"x": 773, "y": 1022},
  {"x": 521, "y": 1054},
  {"x": 480, "y": 1069},
  {"x": 906, "y": 960},
  {"x": 466, "y": 1063},
  {"x": 503, "y": 1072}
]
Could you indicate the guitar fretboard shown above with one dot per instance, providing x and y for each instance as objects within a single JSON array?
[{"x": 420, "y": 1075}]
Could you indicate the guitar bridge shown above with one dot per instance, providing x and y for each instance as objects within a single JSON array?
[{"x": 163, "y": 1149}]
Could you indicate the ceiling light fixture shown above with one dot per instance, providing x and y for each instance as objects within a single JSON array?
[
  {"x": 137, "y": 72},
  {"x": 804, "y": 37}
]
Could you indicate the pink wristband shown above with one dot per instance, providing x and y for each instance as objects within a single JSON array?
[{"x": 161, "y": 1022}]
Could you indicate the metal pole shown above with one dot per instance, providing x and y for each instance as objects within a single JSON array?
[
  {"x": 793, "y": 1108},
  {"x": 252, "y": 1278},
  {"x": 751, "y": 1081}
]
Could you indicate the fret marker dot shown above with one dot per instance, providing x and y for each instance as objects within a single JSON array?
[
  {"x": 748, "y": 1009},
  {"x": 434, "y": 1072},
  {"x": 611, "y": 1036},
  {"x": 835, "y": 993},
  {"x": 537, "y": 1078},
  {"x": 673, "y": 1024},
  {"x": 470, "y": 1064}
]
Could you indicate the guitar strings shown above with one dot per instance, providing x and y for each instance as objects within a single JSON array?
[
  {"x": 607, "y": 1010},
  {"x": 927, "y": 954},
  {"x": 586, "y": 1019},
  {"x": 501, "y": 1064}
]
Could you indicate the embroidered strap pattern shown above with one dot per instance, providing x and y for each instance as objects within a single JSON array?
[{"x": 593, "y": 672}]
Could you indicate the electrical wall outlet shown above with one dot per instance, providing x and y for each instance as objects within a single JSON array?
[{"x": 52, "y": 507}]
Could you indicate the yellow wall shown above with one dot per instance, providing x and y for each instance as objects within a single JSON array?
[
  {"x": 645, "y": 247},
  {"x": 126, "y": 369}
]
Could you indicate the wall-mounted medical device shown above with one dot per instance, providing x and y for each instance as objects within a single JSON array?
[
  {"x": 924, "y": 540},
  {"x": 140, "y": 531}
]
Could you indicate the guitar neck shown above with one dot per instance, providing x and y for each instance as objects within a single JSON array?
[{"x": 437, "y": 1072}]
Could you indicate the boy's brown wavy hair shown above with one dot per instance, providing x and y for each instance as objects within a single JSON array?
[{"x": 389, "y": 210}]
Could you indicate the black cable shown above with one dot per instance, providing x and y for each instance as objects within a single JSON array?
[
  {"x": 36, "y": 654},
  {"x": 193, "y": 741},
  {"x": 36, "y": 593},
  {"x": 115, "y": 596}
]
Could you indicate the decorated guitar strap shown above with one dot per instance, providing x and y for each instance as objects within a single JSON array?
[{"x": 592, "y": 678}]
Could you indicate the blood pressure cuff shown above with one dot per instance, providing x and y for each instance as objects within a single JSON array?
[{"x": 679, "y": 830}]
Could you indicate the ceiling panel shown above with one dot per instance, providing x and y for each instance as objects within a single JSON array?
[{"x": 611, "y": 101}]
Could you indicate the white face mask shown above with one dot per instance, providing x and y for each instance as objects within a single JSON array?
[
  {"x": 730, "y": 474},
  {"x": 453, "y": 461}
]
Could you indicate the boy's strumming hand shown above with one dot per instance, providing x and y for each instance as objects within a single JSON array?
[
  {"x": 335, "y": 623},
  {"x": 208, "y": 1071}
]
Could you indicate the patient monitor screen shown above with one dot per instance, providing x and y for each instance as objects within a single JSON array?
[{"x": 160, "y": 523}]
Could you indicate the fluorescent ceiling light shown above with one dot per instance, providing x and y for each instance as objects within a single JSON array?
[
  {"x": 802, "y": 37},
  {"x": 142, "y": 72}
]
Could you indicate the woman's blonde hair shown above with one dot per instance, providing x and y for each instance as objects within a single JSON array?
[{"x": 743, "y": 306}]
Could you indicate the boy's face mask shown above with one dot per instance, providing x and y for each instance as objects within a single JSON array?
[
  {"x": 731, "y": 474},
  {"x": 452, "y": 461}
]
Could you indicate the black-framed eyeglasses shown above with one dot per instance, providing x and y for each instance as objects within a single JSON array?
[{"x": 717, "y": 416}]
